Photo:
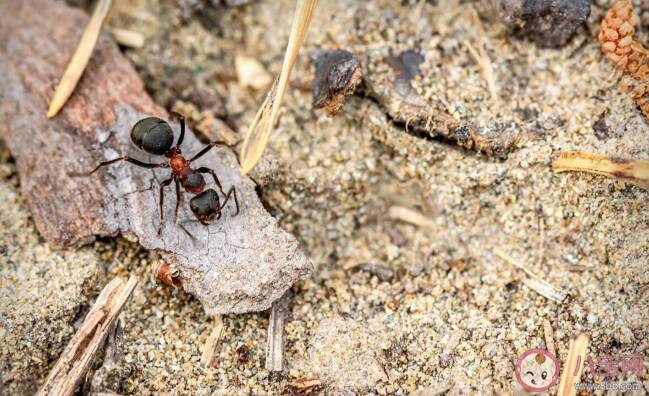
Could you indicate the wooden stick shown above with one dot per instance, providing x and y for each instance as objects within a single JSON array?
[
  {"x": 80, "y": 58},
  {"x": 549, "y": 337},
  {"x": 574, "y": 365},
  {"x": 275, "y": 341},
  {"x": 633, "y": 171},
  {"x": 209, "y": 353},
  {"x": 77, "y": 357}
]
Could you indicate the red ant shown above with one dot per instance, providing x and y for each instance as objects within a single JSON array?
[{"x": 154, "y": 136}]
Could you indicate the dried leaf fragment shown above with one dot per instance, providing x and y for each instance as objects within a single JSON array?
[
  {"x": 633, "y": 171},
  {"x": 80, "y": 58}
]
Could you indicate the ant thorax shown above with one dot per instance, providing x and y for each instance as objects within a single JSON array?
[{"x": 178, "y": 164}]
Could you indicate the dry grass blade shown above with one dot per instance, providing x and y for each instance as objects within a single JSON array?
[
  {"x": 633, "y": 171},
  {"x": 80, "y": 58},
  {"x": 573, "y": 366},
  {"x": 259, "y": 132}
]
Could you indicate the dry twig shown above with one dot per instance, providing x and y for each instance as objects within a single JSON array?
[
  {"x": 80, "y": 58},
  {"x": 259, "y": 132},
  {"x": 534, "y": 282},
  {"x": 633, "y": 171},
  {"x": 78, "y": 355}
]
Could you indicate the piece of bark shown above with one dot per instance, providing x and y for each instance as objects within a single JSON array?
[
  {"x": 78, "y": 355},
  {"x": 237, "y": 264}
]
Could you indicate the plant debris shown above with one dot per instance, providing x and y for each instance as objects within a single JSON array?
[
  {"x": 337, "y": 74},
  {"x": 76, "y": 359},
  {"x": 634, "y": 171},
  {"x": 80, "y": 58},
  {"x": 625, "y": 52}
]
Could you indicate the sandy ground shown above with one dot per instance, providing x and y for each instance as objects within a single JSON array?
[{"x": 393, "y": 307}]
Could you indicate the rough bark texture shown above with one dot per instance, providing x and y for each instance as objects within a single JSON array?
[{"x": 238, "y": 264}]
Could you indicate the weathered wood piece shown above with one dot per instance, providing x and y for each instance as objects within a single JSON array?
[
  {"x": 237, "y": 264},
  {"x": 275, "y": 340},
  {"x": 209, "y": 355},
  {"x": 77, "y": 357}
]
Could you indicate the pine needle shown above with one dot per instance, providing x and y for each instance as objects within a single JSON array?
[
  {"x": 259, "y": 132},
  {"x": 80, "y": 58},
  {"x": 633, "y": 171}
]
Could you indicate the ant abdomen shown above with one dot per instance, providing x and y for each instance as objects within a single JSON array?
[
  {"x": 206, "y": 206},
  {"x": 152, "y": 135}
]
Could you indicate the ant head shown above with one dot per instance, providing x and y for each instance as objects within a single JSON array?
[
  {"x": 152, "y": 135},
  {"x": 205, "y": 206}
]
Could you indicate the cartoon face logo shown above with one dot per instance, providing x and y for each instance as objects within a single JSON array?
[{"x": 537, "y": 370}]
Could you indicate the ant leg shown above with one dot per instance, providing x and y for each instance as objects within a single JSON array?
[
  {"x": 181, "y": 119},
  {"x": 162, "y": 199},
  {"x": 178, "y": 197},
  {"x": 211, "y": 172},
  {"x": 209, "y": 146},
  {"x": 128, "y": 159},
  {"x": 231, "y": 191}
]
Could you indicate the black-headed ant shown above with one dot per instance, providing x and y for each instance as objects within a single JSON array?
[{"x": 154, "y": 136}]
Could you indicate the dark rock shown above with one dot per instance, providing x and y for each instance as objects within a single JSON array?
[
  {"x": 550, "y": 23},
  {"x": 337, "y": 74}
]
